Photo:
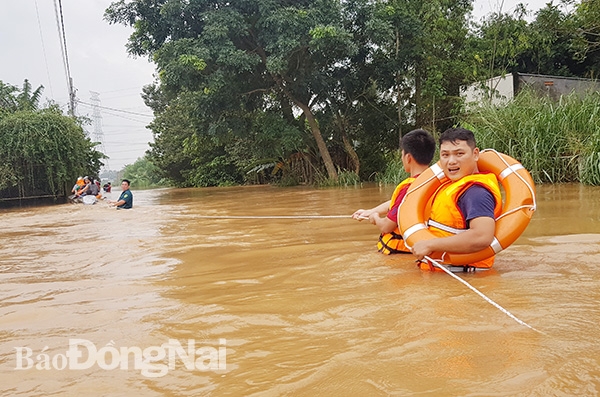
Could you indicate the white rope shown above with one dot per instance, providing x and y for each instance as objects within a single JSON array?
[
  {"x": 534, "y": 206},
  {"x": 272, "y": 217},
  {"x": 503, "y": 310}
]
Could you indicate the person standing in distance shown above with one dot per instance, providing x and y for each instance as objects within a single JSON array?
[
  {"x": 125, "y": 200},
  {"x": 418, "y": 148}
]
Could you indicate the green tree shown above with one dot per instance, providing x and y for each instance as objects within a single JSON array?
[
  {"x": 29, "y": 99},
  {"x": 417, "y": 57},
  {"x": 557, "y": 42},
  {"x": 238, "y": 57},
  {"x": 13, "y": 99},
  {"x": 586, "y": 32},
  {"x": 42, "y": 151},
  {"x": 497, "y": 43},
  {"x": 551, "y": 51},
  {"x": 8, "y": 101},
  {"x": 248, "y": 91},
  {"x": 143, "y": 174},
  {"x": 441, "y": 68}
]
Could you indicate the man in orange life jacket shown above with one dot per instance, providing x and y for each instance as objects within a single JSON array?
[
  {"x": 463, "y": 209},
  {"x": 418, "y": 148}
]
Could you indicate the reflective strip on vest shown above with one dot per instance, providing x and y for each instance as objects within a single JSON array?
[
  {"x": 495, "y": 245},
  {"x": 445, "y": 228}
]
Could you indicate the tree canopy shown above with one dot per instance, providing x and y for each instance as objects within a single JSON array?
[{"x": 299, "y": 91}]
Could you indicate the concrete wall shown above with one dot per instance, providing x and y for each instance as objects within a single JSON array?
[
  {"x": 500, "y": 89},
  {"x": 503, "y": 88},
  {"x": 556, "y": 86}
]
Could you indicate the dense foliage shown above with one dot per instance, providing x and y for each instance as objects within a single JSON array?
[
  {"x": 254, "y": 91},
  {"x": 42, "y": 151},
  {"x": 143, "y": 174},
  {"x": 556, "y": 142}
]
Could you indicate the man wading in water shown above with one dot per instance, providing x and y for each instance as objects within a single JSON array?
[{"x": 125, "y": 200}]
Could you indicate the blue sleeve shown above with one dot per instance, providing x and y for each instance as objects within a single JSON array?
[{"x": 476, "y": 202}]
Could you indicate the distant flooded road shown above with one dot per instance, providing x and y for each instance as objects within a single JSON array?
[{"x": 162, "y": 301}]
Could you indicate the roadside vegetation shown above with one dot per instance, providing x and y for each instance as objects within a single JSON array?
[
  {"x": 42, "y": 151},
  {"x": 143, "y": 175},
  {"x": 556, "y": 141}
]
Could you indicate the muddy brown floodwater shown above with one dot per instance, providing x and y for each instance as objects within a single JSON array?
[{"x": 162, "y": 301}]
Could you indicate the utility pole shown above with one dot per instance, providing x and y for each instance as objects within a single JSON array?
[
  {"x": 65, "y": 57},
  {"x": 72, "y": 98}
]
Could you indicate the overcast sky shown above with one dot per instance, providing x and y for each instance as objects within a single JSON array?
[
  {"x": 98, "y": 62},
  {"x": 484, "y": 7}
]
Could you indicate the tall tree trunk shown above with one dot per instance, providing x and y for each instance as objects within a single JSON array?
[
  {"x": 419, "y": 116},
  {"x": 433, "y": 114},
  {"x": 399, "y": 105},
  {"x": 398, "y": 93},
  {"x": 286, "y": 108},
  {"x": 341, "y": 122},
  {"x": 314, "y": 126},
  {"x": 351, "y": 152},
  {"x": 316, "y": 132}
]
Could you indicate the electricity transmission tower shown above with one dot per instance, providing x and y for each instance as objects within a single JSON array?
[{"x": 97, "y": 135}]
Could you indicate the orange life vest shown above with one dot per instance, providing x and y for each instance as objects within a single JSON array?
[
  {"x": 517, "y": 209},
  {"x": 393, "y": 243},
  {"x": 446, "y": 219}
]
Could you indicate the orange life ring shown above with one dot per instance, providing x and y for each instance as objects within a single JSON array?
[{"x": 517, "y": 210}]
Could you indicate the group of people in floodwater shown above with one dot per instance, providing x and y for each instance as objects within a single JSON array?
[
  {"x": 463, "y": 210},
  {"x": 88, "y": 191}
]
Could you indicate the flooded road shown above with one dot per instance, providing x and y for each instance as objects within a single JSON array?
[{"x": 163, "y": 301}]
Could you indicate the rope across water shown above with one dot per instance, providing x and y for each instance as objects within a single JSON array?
[
  {"x": 503, "y": 310},
  {"x": 272, "y": 216},
  {"x": 435, "y": 263}
]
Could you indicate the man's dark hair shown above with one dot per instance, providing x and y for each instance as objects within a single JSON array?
[
  {"x": 458, "y": 134},
  {"x": 127, "y": 180},
  {"x": 420, "y": 144}
]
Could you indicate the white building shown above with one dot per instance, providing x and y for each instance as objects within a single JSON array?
[{"x": 501, "y": 89}]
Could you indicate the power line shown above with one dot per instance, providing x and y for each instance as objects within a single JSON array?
[
  {"x": 37, "y": 11},
  {"x": 135, "y": 94},
  {"x": 127, "y": 151},
  {"x": 122, "y": 89},
  {"x": 63, "y": 46},
  {"x": 111, "y": 127},
  {"x": 122, "y": 116},
  {"x": 117, "y": 110},
  {"x": 132, "y": 145}
]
